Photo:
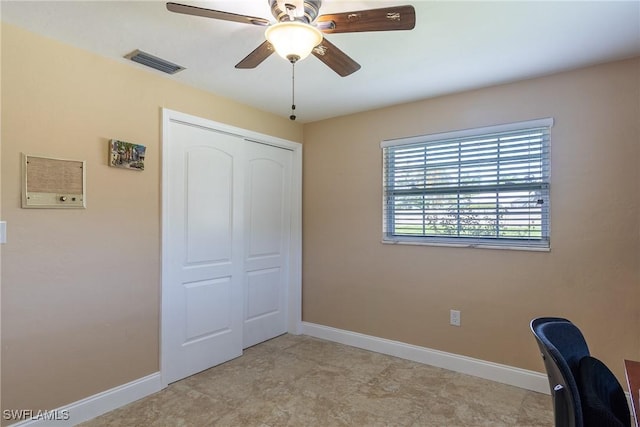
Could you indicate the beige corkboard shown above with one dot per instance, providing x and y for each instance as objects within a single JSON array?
[{"x": 53, "y": 183}]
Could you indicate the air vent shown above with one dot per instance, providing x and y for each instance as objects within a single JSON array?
[{"x": 154, "y": 62}]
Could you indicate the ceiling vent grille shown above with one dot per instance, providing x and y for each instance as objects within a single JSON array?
[{"x": 154, "y": 62}]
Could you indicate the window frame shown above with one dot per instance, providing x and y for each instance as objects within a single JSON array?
[{"x": 542, "y": 244}]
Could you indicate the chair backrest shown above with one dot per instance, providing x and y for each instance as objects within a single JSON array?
[
  {"x": 604, "y": 403},
  {"x": 562, "y": 346}
]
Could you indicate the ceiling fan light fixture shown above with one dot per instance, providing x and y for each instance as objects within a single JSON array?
[{"x": 293, "y": 40}]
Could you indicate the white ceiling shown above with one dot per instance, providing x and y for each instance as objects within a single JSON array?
[{"x": 455, "y": 46}]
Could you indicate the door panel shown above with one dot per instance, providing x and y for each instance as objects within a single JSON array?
[
  {"x": 263, "y": 292},
  {"x": 209, "y": 187},
  {"x": 266, "y": 207},
  {"x": 201, "y": 321},
  {"x": 267, "y": 228},
  {"x": 202, "y": 313}
]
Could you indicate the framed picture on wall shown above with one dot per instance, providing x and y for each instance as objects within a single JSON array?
[{"x": 126, "y": 155}]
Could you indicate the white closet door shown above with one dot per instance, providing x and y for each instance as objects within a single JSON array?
[
  {"x": 227, "y": 215},
  {"x": 203, "y": 290},
  {"x": 267, "y": 228}
]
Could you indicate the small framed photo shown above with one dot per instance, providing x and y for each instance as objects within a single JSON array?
[{"x": 126, "y": 155}]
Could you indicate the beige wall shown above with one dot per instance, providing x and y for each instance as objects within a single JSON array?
[
  {"x": 80, "y": 288},
  {"x": 591, "y": 275}
]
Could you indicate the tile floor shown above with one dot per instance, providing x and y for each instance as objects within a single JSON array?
[{"x": 307, "y": 382}]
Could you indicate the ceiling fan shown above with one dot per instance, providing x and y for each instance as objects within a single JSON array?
[{"x": 298, "y": 30}]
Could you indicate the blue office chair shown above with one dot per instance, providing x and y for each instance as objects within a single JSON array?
[
  {"x": 562, "y": 346},
  {"x": 604, "y": 403}
]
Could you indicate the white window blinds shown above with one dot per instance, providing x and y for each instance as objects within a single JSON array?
[{"x": 487, "y": 186}]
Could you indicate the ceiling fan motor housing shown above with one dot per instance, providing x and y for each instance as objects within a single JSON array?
[{"x": 281, "y": 10}]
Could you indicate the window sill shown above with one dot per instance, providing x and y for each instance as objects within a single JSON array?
[{"x": 468, "y": 245}]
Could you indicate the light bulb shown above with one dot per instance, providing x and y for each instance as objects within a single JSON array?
[{"x": 293, "y": 40}]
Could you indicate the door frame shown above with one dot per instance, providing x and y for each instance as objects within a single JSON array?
[{"x": 294, "y": 291}]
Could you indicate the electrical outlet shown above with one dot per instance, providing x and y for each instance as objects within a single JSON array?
[{"x": 454, "y": 317}]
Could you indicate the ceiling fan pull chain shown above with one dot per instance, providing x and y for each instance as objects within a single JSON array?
[{"x": 293, "y": 90}]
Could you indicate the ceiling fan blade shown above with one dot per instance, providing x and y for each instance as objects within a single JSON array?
[
  {"x": 335, "y": 59},
  {"x": 215, "y": 14},
  {"x": 256, "y": 57},
  {"x": 386, "y": 19}
]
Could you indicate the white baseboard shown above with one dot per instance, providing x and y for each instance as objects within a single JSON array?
[
  {"x": 517, "y": 377},
  {"x": 96, "y": 405}
]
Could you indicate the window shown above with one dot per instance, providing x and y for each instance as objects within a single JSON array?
[{"x": 485, "y": 187}]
